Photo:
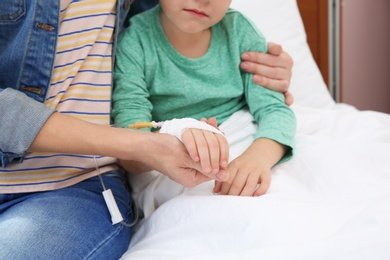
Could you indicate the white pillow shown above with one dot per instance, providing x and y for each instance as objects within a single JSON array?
[{"x": 280, "y": 22}]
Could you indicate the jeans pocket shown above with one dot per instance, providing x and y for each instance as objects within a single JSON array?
[{"x": 12, "y": 10}]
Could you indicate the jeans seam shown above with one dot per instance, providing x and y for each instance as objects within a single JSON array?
[{"x": 118, "y": 230}]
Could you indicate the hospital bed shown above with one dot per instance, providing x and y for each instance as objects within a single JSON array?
[{"x": 331, "y": 201}]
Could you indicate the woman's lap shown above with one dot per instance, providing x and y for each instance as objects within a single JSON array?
[{"x": 70, "y": 223}]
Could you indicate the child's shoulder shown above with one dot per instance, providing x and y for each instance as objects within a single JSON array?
[
  {"x": 236, "y": 19},
  {"x": 143, "y": 20},
  {"x": 139, "y": 30},
  {"x": 233, "y": 13},
  {"x": 239, "y": 26}
]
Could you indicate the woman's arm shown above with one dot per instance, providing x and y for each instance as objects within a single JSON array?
[
  {"x": 161, "y": 152},
  {"x": 21, "y": 119},
  {"x": 39, "y": 129}
]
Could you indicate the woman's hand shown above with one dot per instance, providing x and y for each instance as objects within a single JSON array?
[{"x": 272, "y": 70}]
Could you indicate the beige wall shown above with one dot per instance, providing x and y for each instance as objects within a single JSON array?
[{"x": 365, "y": 54}]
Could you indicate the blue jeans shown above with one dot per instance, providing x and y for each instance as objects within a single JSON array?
[{"x": 70, "y": 223}]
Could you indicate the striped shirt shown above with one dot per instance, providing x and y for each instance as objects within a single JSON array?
[{"x": 80, "y": 87}]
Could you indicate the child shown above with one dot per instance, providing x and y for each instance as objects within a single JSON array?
[{"x": 181, "y": 60}]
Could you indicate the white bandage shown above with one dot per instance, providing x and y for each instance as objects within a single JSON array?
[{"x": 176, "y": 127}]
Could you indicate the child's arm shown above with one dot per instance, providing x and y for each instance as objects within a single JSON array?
[
  {"x": 251, "y": 168},
  {"x": 272, "y": 70},
  {"x": 274, "y": 139}
]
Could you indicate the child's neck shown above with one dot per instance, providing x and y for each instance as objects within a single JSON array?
[{"x": 190, "y": 45}]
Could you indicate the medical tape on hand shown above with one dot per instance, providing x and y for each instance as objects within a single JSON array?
[{"x": 176, "y": 127}]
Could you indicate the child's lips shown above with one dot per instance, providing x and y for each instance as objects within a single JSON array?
[{"x": 196, "y": 12}]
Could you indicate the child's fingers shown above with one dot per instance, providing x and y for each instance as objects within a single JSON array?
[
  {"x": 223, "y": 174},
  {"x": 203, "y": 150},
  {"x": 224, "y": 150},
  {"x": 211, "y": 149},
  {"x": 232, "y": 169},
  {"x": 214, "y": 150},
  {"x": 250, "y": 185},
  {"x": 217, "y": 187},
  {"x": 223, "y": 143},
  {"x": 190, "y": 144},
  {"x": 213, "y": 122},
  {"x": 238, "y": 183},
  {"x": 265, "y": 181},
  {"x": 225, "y": 188}
]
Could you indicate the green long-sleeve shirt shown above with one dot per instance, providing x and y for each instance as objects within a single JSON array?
[{"x": 152, "y": 81}]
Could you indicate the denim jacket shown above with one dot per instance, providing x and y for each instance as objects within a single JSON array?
[{"x": 28, "y": 38}]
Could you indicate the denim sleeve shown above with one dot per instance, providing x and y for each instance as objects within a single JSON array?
[{"x": 21, "y": 119}]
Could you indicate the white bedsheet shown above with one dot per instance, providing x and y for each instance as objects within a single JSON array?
[{"x": 331, "y": 201}]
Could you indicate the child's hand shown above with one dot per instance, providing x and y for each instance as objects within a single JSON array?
[
  {"x": 204, "y": 143},
  {"x": 250, "y": 173},
  {"x": 247, "y": 177},
  {"x": 211, "y": 149}
]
